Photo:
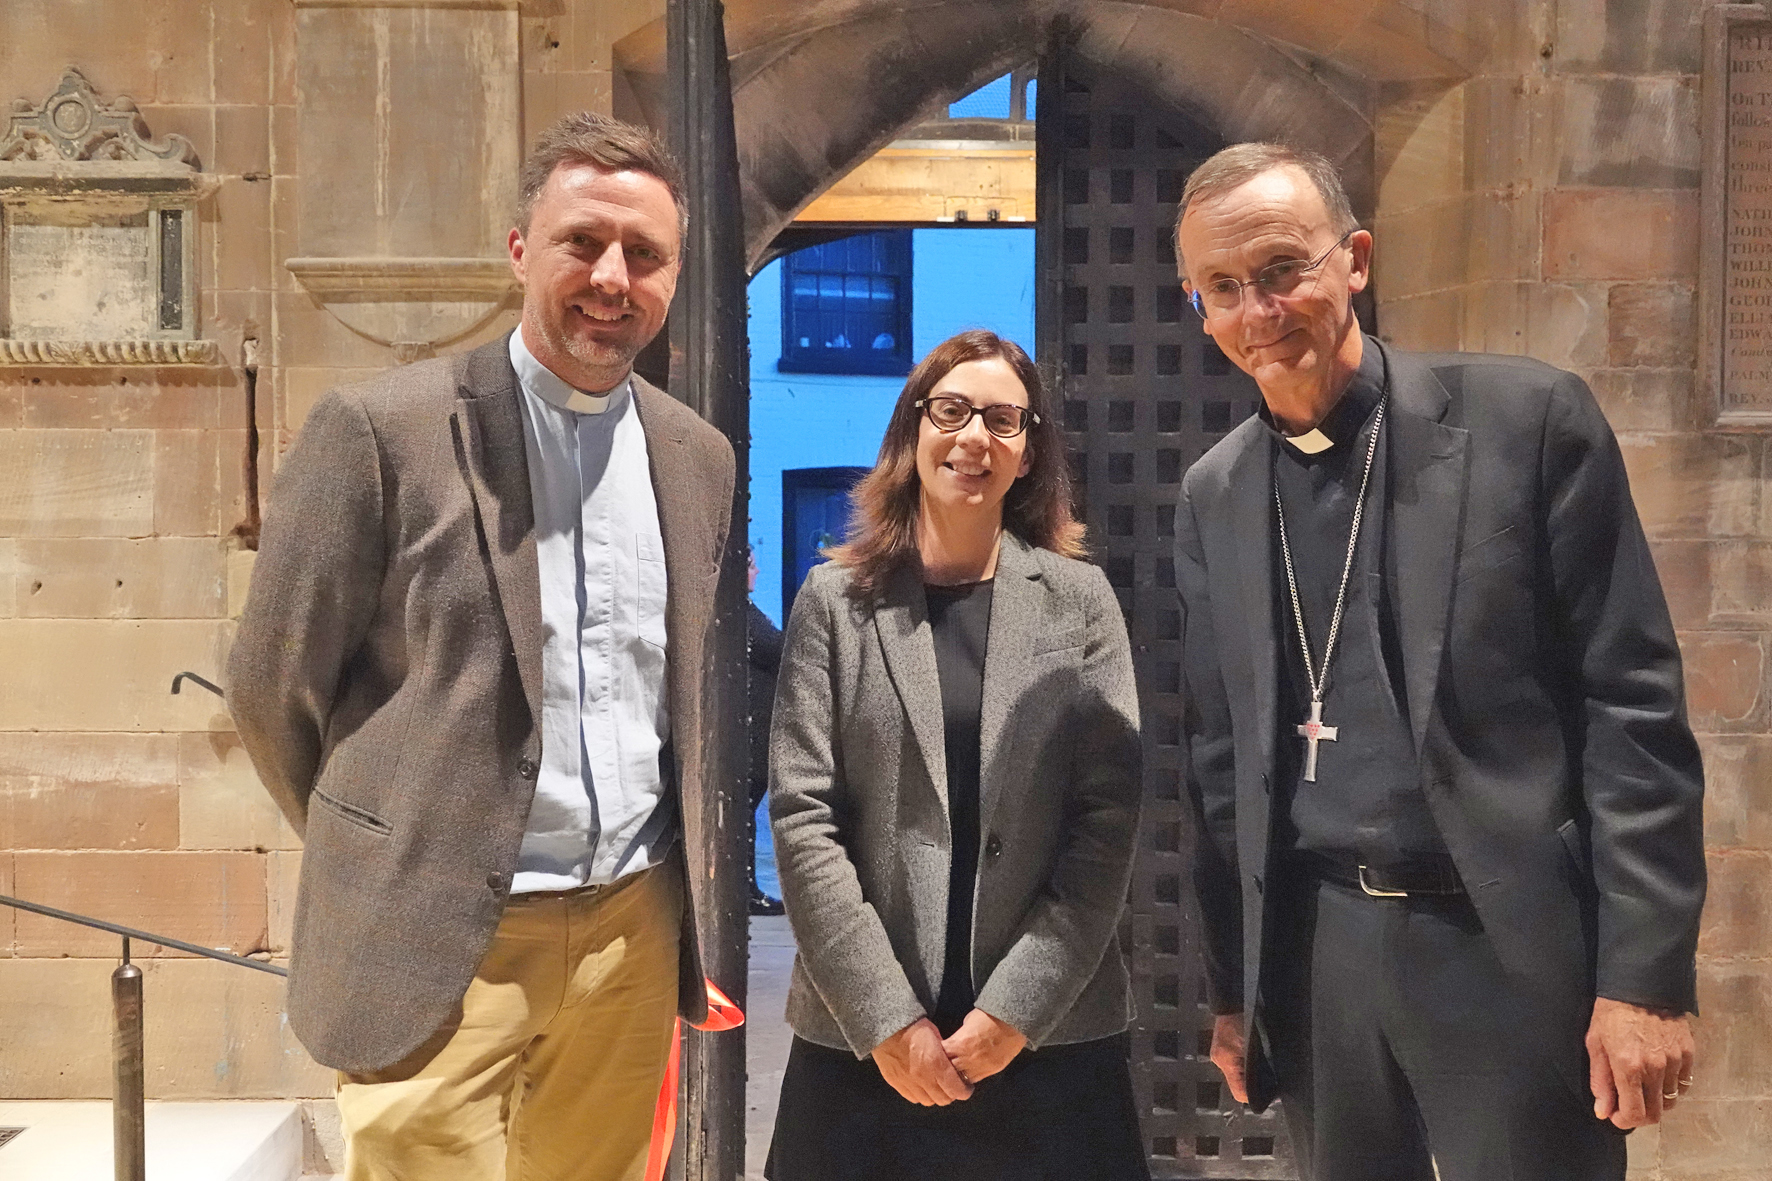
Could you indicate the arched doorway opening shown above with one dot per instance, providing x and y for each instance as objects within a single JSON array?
[{"x": 1132, "y": 96}]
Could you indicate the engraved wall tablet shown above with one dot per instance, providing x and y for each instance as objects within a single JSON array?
[
  {"x": 97, "y": 235},
  {"x": 1735, "y": 295}
]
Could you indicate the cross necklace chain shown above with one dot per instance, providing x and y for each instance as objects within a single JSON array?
[{"x": 1312, "y": 730}]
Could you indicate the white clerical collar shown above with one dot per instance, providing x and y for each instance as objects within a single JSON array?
[
  {"x": 1311, "y": 442},
  {"x": 547, "y": 385}
]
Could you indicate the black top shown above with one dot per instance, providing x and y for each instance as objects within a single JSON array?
[
  {"x": 1367, "y": 802},
  {"x": 763, "y": 642},
  {"x": 960, "y": 618}
]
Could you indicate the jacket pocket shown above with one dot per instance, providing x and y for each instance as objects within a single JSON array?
[
  {"x": 355, "y": 815},
  {"x": 1497, "y": 549}
]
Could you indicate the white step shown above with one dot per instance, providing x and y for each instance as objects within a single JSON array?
[{"x": 219, "y": 1141}]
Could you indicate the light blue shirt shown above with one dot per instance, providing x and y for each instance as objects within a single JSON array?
[{"x": 600, "y": 809}]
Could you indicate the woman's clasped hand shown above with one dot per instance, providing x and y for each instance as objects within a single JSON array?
[{"x": 933, "y": 1071}]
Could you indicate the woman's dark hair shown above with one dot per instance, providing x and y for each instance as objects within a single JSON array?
[{"x": 885, "y": 503}]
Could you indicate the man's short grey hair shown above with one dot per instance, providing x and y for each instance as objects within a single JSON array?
[
  {"x": 1239, "y": 164},
  {"x": 586, "y": 137}
]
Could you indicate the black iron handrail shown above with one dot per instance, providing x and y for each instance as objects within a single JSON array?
[
  {"x": 84, "y": 920},
  {"x": 129, "y": 1118}
]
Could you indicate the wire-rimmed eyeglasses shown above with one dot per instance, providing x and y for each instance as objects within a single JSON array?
[
  {"x": 1283, "y": 278},
  {"x": 949, "y": 414}
]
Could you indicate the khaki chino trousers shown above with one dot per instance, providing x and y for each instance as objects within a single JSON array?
[{"x": 550, "y": 1071}]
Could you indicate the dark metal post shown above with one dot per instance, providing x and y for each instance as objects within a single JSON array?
[
  {"x": 129, "y": 1121},
  {"x": 710, "y": 371}
]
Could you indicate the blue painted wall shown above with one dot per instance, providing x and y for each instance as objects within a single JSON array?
[{"x": 961, "y": 278}]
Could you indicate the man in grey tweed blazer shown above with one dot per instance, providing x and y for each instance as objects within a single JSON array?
[{"x": 470, "y": 672}]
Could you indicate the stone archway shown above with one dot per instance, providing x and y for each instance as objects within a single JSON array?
[{"x": 818, "y": 89}]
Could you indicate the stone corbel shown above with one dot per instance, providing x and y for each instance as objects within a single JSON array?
[{"x": 412, "y": 305}]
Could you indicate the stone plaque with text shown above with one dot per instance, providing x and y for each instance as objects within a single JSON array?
[{"x": 1736, "y": 275}]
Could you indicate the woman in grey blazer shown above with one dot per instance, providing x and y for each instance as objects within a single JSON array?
[{"x": 955, "y": 785}]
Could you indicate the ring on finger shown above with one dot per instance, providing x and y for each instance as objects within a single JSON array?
[{"x": 1667, "y": 1095}]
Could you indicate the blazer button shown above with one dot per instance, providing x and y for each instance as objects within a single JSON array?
[
  {"x": 526, "y": 767},
  {"x": 495, "y": 881},
  {"x": 993, "y": 846}
]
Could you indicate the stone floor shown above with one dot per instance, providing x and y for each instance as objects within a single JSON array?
[{"x": 766, "y": 1035}]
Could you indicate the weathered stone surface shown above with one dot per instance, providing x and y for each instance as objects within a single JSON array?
[
  {"x": 1725, "y": 679},
  {"x": 185, "y": 483},
  {"x": 8, "y": 577},
  {"x": 82, "y": 275},
  {"x": 40, "y": 813},
  {"x": 215, "y": 899},
  {"x": 1721, "y": 1139},
  {"x": 402, "y": 193},
  {"x": 1425, "y": 322},
  {"x": 1562, "y": 324},
  {"x": 212, "y": 1031},
  {"x": 1425, "y": 249},
  {"x": 57, "y": 1016},
  {"x": 1684, "y": 567},
  {"x": 1652, "y": 324},
  {"x": 282, "y": 881},
  {"x": 122, "y": 398},
  {"x": 1631, "y": 132},
  {"x": 242, "y": 143},
  {"x": 6, "y": 920},
  {"x": 1421, "y": 151},
  {"x": 240, "y": 563},
  {"x": 1657, "y": 400},
  {"x": 1738, "y": 791},
  {"x": 1695, "y": 485},
  {"x": 1716, "y": 583},
  {"x": 107, "y": 578},
  {"x": 1514, "y": 117},
  {"x": 72, "y": 674},
  {"x": 76, "y": 483},
  {"x": 218, "y": 1031},
  {"x": 1732, "y": 1049},
  {"x": 1738, "y": 909},
  {"x": 1621, "y": 234},
  {"x": 1627, "y": 36},
  {"x": 242, "y": 258},
  {"x": 324, "y": 1150},
  {"x": 221, "y": 804}
]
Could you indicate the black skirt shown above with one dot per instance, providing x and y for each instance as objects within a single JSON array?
[{"x": 1062, "y": 1113}]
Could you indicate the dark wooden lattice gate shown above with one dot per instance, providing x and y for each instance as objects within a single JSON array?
[{"x": 1145, "y": 394}]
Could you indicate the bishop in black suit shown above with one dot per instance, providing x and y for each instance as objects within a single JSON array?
[{"x": 1450, "y": 862}]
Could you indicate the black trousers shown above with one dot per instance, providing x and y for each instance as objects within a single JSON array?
[{"x": 1399, "y": 1044}]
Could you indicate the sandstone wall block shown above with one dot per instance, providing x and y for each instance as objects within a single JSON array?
[
  {"x": 1621, "y": 234},
  {"x": 215, "y": 899}
]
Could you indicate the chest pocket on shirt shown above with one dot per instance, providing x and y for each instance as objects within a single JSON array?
[{"x": 650, "y": 599}]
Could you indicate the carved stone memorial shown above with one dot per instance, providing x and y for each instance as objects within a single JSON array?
[
  {"x": 98, "y": 228},
  {"x": 1735, "y": 286}
]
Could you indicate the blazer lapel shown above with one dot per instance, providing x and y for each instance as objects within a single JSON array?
[
  {"x": 901, "y": 616},
  {"x": 1430, "y": 463},
  {"x": 678, "y": 511},
  {"x": 1008, "y": 657},
  {"x": 1252, "y": 526},
  {"x": 491, "y": 422}
]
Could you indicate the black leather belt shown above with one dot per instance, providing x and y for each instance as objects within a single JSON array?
[{"x": 1425, "y": 877}]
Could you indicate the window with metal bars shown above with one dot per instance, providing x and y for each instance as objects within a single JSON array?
[{"x": 846, "y": 306}]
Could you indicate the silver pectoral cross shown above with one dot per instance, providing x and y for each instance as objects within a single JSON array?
[{"x": 1313, "y": 732}]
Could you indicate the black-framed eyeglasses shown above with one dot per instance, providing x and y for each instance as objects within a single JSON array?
[
  {"x": 949, "y": 414},
  {"x": 1283, "y": 278}
]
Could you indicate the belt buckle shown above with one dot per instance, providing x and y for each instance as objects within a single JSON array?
[{"x": 1374, "y": 893}]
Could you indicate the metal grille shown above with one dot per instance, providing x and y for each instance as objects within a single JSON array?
[
  {"x": 1145, "y": 392},
  {"x": 7, "y": 1135}
]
